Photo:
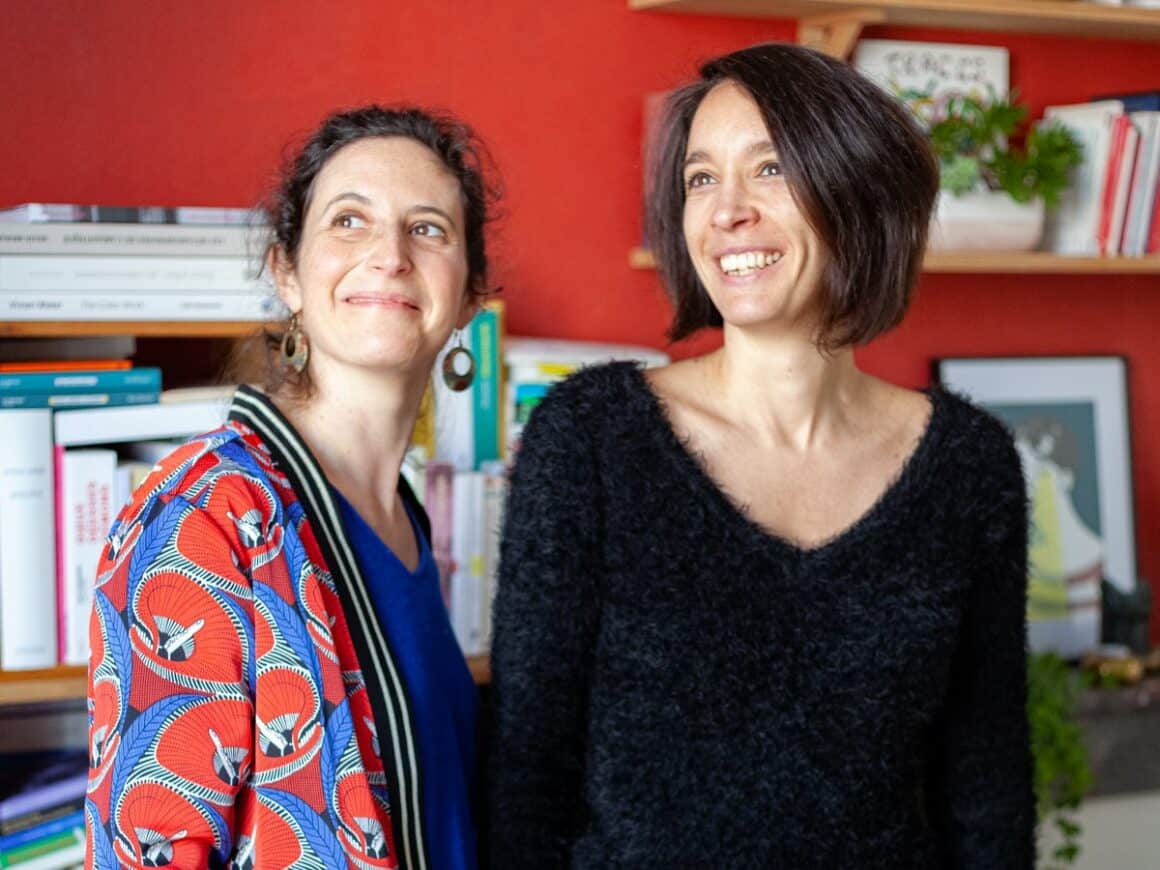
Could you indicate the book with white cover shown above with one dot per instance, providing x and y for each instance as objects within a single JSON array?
[
  {"x": 138, "y": 239},
  {"x": 1119, "y": 186},
  {"x": 1145, "y": 180},
  {"x": 553, "y": 354},
  {"x": 85, "y": 509},
  {"x": 467, "y": 575},
  {"x": 129, "y": 273},
  {"x": 137, "y": 423},
  {"x": 494, "y": 501},
  {"x": 137, "y": 305},
  {"x": 27, "y": 541},
  {"x": 67, "y": 212},
  {"x": 1073, "y": 228}
]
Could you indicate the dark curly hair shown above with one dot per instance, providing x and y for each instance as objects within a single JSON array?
[{"x": 453, "y": 142}]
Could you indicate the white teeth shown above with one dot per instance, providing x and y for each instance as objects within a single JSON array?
[{"x": 748, "y": 262}]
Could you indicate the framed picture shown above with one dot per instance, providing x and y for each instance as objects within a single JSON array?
[
  {"x": 935, "y": 69},
  {"x": 1069, "y": 416}
]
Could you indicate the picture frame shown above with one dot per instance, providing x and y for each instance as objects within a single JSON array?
[
  {"x": 937, "y": 69},
  {"x": 1070, "y": 420}
]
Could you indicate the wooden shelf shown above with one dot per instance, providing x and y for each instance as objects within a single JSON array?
[
  {"x": 69, "y": 684},
  {"x": 38, "y": 687},
  {"x": 997, "y": 262},
  {"x": 1039, "y": 262},
  {"x": 1062, "y": 17},
  {"x": 833, "y": 26},
  {"x": 143, "y": 328}
]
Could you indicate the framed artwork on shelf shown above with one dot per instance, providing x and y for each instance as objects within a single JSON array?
[
  {"x": 934, "y": 69},
  {"x": 1069, "y": 416}
]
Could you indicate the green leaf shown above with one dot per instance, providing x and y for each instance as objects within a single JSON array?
[{"x": 978, "y": 141}]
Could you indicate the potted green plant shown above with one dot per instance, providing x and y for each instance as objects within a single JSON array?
[
  {"x": 1062, "y": 772},
  {"x": 999, "y": 175}
]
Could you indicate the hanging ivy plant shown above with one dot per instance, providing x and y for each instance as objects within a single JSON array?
[{"x": 1062, "y": 772}]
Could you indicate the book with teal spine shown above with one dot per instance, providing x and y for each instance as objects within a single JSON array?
[
  {"x": 79, "y": 400},
  {"x": 144, "y": 379},
  {"x": 487, "y": 388}
]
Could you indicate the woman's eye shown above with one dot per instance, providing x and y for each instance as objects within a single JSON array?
[
  {"x": 428, "y": 229},
  {"x": 697, "y": 179},
  {"x": 771, "y": 168},
  {"x": 348, "y": 221}
]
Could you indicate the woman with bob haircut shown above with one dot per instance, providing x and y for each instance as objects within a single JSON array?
[
  {"x": 759, "y": 609},
  {"x": 274, "y": 681}
]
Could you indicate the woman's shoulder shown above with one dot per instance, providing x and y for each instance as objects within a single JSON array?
[
  {"x": 597, "y": 383},
  {"x": 231, "y": 457},
  {"x": 586, "y": 414},
  {"x": 590, "y": 395},
  {"x": 980, "y": 443}
]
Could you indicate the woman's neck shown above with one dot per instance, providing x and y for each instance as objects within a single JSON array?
[
  {"x": 359, "y": 427},
  {"x": 786, "y": 390}
]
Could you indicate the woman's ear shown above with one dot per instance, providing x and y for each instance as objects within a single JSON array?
[
  {"x": 285, "y": 280},
  {"x": 472, "y": 302}
]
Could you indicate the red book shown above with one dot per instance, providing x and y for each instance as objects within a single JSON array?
[
  {"x": 1120, "y": 128},
  {"x": 71, "y": 365}
]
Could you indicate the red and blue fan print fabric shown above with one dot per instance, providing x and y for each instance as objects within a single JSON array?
[{"x": 229, "y": 724}]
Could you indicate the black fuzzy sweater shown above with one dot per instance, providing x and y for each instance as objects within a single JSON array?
[{"x": 676, "y": 688}]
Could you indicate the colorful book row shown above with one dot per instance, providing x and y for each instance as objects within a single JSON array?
[{"x": 57, "y": 502}]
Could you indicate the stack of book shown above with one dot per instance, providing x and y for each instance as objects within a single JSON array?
[
  {"x": 72, "y": 262},
  {"x": 77, "y": 384},
  {"x": 42, "y": 797},
  {"x": 1112, "y": 208}
]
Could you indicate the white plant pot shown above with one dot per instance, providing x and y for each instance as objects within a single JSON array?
[{"x": 985, "y": 219}]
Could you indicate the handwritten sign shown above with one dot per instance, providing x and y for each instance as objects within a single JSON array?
[{"x": 934, "y": 68}]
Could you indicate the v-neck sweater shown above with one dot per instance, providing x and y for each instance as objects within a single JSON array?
[{"x": 675, "y": 686}]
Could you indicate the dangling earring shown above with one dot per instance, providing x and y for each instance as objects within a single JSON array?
[
  {"x": 295, "y": 346},
  {"x": 455, "y": 359}
]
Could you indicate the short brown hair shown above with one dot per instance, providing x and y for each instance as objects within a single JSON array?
[{"x": 857, "y": 164}]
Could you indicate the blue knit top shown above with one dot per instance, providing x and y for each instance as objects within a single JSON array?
[{"x": 443, "y": 695}]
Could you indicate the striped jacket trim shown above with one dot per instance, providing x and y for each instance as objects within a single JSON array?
[{"x": 385, "y": 687}]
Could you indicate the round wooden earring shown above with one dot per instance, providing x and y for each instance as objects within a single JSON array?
[
  {"x": 458, "y": 368},
  {"x": 295, "y": 346}
]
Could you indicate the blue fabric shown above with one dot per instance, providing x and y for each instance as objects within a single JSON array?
[{"x": 443, "y": 695}]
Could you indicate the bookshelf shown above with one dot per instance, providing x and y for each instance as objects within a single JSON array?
[
  {"x": 64, "y": 684},
  {"x": 834, "y": 25},
  {"x": 69, "y": 683},
  {"x": 996, "y": 262}
]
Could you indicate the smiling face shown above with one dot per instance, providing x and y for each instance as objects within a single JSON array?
[
  {"x": 381, "y": 272},
  {"x": 752, "y": 247}
]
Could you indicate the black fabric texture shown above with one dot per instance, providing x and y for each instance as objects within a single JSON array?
[{"x": 674, "y": 687}]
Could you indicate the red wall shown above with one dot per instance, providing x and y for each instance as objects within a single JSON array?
[{"x": 125, "y": 102}]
